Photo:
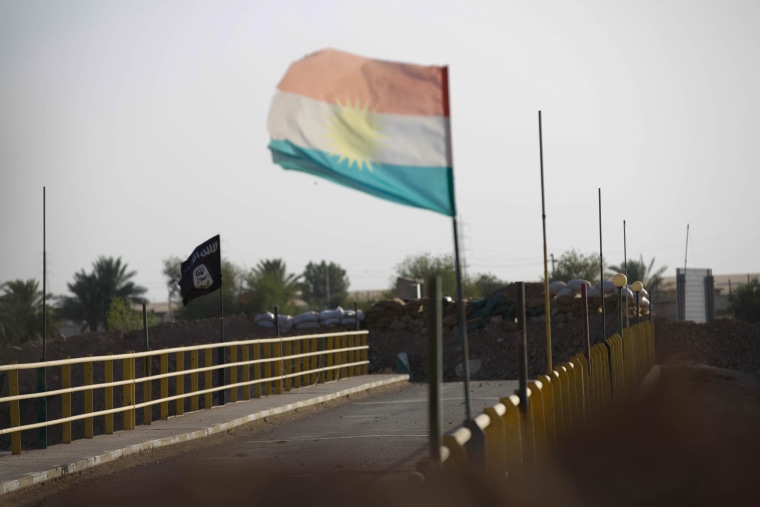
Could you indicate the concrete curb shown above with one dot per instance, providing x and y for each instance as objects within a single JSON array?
[{"x": 79, "y": 466}]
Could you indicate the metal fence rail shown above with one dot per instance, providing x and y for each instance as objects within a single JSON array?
[
  {"x": 255, "y": 368},
  {"x": 511, "y": 435}
]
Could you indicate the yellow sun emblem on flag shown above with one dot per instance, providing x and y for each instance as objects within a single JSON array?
[{"x": 354, "y": 133}]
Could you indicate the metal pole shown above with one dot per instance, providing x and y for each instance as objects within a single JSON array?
[
  {"x": 625, "y": 266},
  {"x": 587, "y": 340},
  {"x": 601, "y": 272},
  {"x": 220, "y": 351},
  {"x": 522, "y": 347},
  {"x": 462, "y": 325},
  {"x": 42, "y": 371},
  {"x": 638, "y": 313},
  {"x": 435, "y": 367},
  {"x": 145, "y": 326},
  {"x": 547, "y": 305},
  {"x": 620, "y": 311}
]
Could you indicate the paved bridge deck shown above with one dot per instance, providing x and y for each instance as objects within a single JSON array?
[{"x": 33, "y": 466}]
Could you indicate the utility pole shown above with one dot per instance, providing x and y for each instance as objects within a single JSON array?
[{"x": 552, "y": 258}]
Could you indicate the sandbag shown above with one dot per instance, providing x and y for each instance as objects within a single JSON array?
[
  {"x": 555, "y": 287},
  {"x": 576, "y": 283},
  {"x": 306, "y": 317},
  {"x": 264, "y": 317}
]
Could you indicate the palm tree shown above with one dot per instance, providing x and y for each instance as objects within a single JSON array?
[
  {"x": 20, "y": 311},
  {"x": 269, "y": 284},
  {"x": 639, "y": 270},
  {"x": 94, "y": 291}
]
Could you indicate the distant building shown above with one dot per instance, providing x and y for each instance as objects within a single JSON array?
[{"x": 665, "y": 303}]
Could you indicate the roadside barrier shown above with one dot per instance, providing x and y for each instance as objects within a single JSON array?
[
  {"x": 507, "y": 436},
  {"x": 182, "y": 381}
]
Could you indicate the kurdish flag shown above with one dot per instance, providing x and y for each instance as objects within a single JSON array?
[{"x": 375, "y": 126}]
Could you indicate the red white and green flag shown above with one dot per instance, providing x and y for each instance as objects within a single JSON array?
[{"x": 376, "y": 126}]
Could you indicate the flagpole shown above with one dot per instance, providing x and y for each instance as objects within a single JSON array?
[
  {"x": 220, "y": 352},
  {"x": 547, "y": 305},
  {"x": 457, "y": 264},
  {"x": 462, "y": 324},
  {"x": 601, "y": 271}
]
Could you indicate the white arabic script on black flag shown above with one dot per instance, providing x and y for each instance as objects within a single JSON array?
[{"x": 202, "y": 271}]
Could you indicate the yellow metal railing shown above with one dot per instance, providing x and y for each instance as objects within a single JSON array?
[
  {"x": 507, "y": 436},
  {"x": 180, "y": 381}
]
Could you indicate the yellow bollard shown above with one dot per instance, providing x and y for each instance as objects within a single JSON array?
[
  {"x": 495, "y": 443},
  {"x": 233, "y": 374},
  {"x": 88, "y": 405},
  {"x": 164, "y": 413},
  {"x": 108, "y": 374},
  {"x": 208, "y": 360},
  {"x": 194, "y": 364},
  {"x": 513, "y": 449},
  {"x": 66, "y": 401},
  {"x": 257, "y": 370},
  {"x": 128, "y": 373},
  {"x": 13, "y": 388},
  {"x": 537, "y": 417},
  {"x": 246, "y": 372},
  {"x": 550, "y": 416}
]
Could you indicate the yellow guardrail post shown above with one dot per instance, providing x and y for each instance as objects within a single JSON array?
[
  {"x": 288, "y": 365},
  {"x": 297, "y": 364},
  {"x": 194, "y": 365},
  {"x": 108, "y": 374},
  {"x": 257, "y": 370},
  {"x": 66, "y": 402},
  {"x": 88, "y": 408},
  {"x": 247, "y": 372},
  {"x": 13, "y": 389},
  {"x": 526, "y": 430},
  {"x": 147, "y": 390},
  {"x": 550, "y": 424},
  {"x": 128, "y": 370},
  {"x": 455, "y": 443},
  {"x": 331, "y": 375},
  {"x": 233, "y": 373},
  {"x": 164, "y": 413},
  {"x": 278, "y": 367},
  {"x": 495, "y": 443},
  {"x": 208, "y": 378},
  {"x": 581, "y": 385},
  {"x": 513, "y": 449},
  {"x": 365, "y": 353},
  {"x": 314, "y": 362},
  {"x": 179, "y": 382},
  {"x": 537, "y": 416},
  {"x": 343, "y": 356},
  {"x": 267, "y": 368},
  {"x": 567, "y": 404}
]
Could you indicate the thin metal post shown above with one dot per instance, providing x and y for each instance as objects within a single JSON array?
[
  {"x": 620, "y": 311},
  {"x": 522, "y": 347},
  {"x": 601, "y": 271},
  {"x": 638, "y": 311},
  {"x": 625, "y": 266},
  {"x": 220, "y": 351},
  {"x": 586, "y": 337},
  {"x": 462, "y": 325},
  {"x": 435, "y": 367},
  {"x": 547, "y": 305},
  {"x": 42, "y": 371}
]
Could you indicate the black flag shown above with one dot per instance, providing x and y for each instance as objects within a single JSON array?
[{"x": 202, "y": 271}]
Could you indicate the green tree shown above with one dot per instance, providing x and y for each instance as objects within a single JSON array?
[
  {"x": 21, "y": 312},
  {"x": 207, "y": 306},
  {"x": 574, "y": 264},
  {"x": 643, "y": 272},
  {"x": 324, "y": 285},
  {"x": 269, "y": 284},
  {"x": 745, "y": 302},
  {"x": 423, "y": 266},
  {"x": 121, "y": 316},
  {"x": 486, "y": 283},
  {"x": 94, "y": 291}
]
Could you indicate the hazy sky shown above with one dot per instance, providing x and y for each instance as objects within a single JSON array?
[{"x": 146, "y": 122}]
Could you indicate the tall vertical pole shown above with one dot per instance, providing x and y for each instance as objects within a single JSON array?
[
  {"x": 44, "y": 278},
  {"x": 462, "y": 325},
  {"x": 458, "y": 265},
  {"x": 601, "y": 271},
  {"x": 42, "y": 371},
  {"x": 625, "y": 268},
  {"x": 547, "y": 305},
  {"x": 686, "y": 252},
  {"x": 435, "y": 367},
  {"x": 220, "y": 351},
  {"x": 522, "y": 348}
]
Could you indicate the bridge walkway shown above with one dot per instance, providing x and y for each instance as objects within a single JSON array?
[{"x": 35, "y": 466}]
